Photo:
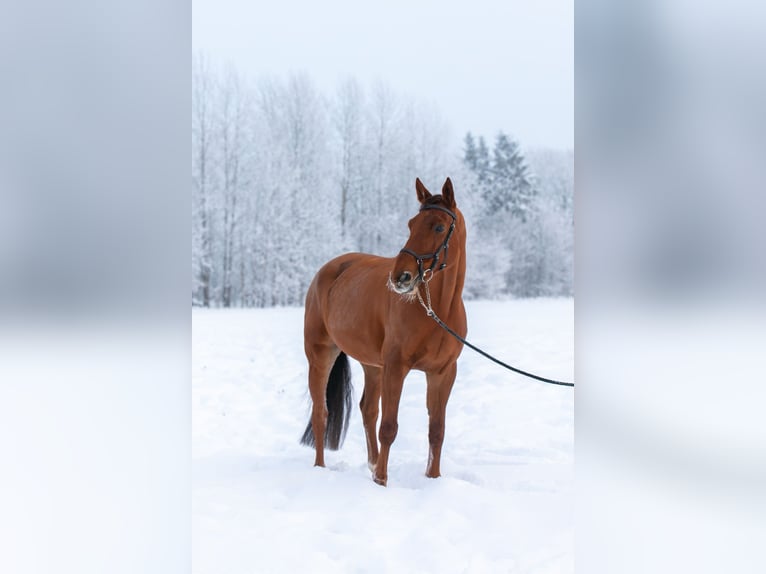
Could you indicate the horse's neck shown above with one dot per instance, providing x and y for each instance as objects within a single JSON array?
[{"x": 448, "y": 290}]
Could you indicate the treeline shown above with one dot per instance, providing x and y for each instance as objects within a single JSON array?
[{"x": 285, "y": 177}]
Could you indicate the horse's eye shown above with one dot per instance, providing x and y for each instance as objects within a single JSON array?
[{"x": 439, "y": 228}]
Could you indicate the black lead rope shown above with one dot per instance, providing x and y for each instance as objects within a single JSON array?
[
  {"x": 498, "y": 361},
  {"x": 430, "y": 312}
]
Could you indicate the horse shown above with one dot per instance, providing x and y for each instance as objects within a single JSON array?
[{"x": 365, "y": 306}]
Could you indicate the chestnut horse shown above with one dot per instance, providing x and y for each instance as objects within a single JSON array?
[{"x": 366, "y": 307}]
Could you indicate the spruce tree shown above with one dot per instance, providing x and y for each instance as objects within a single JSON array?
[
  {"x": 482, "y": 162},
  {"x": 510, "y": 189},
  {"x": 469, "y": 152}
]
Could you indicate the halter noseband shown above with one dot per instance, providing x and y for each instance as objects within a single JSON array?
[{"x": 420, "y": 257}]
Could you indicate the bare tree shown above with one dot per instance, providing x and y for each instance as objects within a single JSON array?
[
  {"x": 382, "y": 117},
  {"x": 231, "y": 123},
  {"x": 348, "y": 120},
  {"x": 202, "y": 93}
]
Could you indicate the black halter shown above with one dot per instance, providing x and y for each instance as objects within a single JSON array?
[{"x": 435, "y": 255}]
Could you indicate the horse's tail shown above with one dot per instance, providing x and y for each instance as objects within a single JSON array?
[{"x": 338, "y": 397}]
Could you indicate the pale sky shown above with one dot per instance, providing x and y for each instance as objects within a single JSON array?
[{"x": 487, "y": 65}]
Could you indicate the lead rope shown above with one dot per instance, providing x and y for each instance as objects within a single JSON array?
[{"x": 430, "y": 312}]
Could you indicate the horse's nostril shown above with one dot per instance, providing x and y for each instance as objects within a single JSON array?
[{"x": 404, "y": 277}]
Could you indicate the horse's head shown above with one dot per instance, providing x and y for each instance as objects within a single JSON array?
[{"x": 426, "y": 251}]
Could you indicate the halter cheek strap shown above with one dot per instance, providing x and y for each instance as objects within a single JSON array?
[{"x": 421, "y": 257}]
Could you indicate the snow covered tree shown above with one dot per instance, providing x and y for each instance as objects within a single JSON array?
[
  {"x": 509, "y": 188},
  {"x": 488, "y": 257},
  {"x": 202, "y": 192},
  {"x": 231, "y": 122},
  {"x": 383, "y": 123},
  {"x": 553, "y": 176},
  {"x": 483, "y": 167},
  {"x": 470, "y": 154},
  {"x": 348, "y": 121}
]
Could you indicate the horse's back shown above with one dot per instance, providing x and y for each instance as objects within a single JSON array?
[{"x": 357, "y": 264}]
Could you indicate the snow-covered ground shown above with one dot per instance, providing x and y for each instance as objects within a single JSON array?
[{"x": 504, "y": 502}]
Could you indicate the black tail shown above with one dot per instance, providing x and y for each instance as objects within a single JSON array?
[{"x": 339, "y": 400}]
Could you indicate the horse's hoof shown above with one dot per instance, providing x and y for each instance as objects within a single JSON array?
[{"x": 378, "y": 480}]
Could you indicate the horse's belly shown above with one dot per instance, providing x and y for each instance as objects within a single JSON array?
[
  {"x": 363, "y": 355},
  {"x": 358, "y": 341}
]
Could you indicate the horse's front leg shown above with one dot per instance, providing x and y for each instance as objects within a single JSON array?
[
  {"x": 439, "y": 386},
  {"x": 391, "y": 392}
]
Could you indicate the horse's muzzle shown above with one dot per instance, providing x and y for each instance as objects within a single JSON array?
[{"x": 404, "y": 283}]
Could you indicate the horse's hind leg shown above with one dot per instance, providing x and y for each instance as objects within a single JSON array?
[
  {"x": 369, "y": 407},
  {"x": 321, "y": 357},
  {"x": 439, "y": 386}
]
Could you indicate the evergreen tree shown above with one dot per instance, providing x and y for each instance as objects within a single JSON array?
[
  {"x": 482, "y": 163},
  {"x": 476, "y": 159},
  {"x": 470, "y": 157},
  {"x": 510, "y": 189}
]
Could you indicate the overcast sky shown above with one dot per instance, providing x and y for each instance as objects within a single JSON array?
[{"x": 487, "y": 65}]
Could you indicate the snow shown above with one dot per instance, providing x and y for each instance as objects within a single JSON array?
[{"x": 504, "y": 502}]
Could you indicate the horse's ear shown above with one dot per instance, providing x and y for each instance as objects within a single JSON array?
[
  {"x": 448, "y": 193},
  {"x": 423, "y": 193}
]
